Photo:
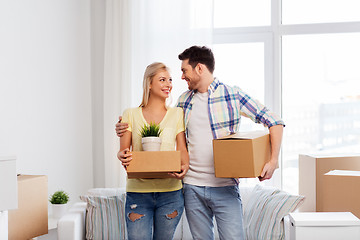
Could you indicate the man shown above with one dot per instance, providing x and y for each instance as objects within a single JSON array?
[{"x": 213, "y": 110}]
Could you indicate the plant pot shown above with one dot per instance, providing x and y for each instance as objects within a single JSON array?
[
  {"x": 151, "y": 143},
  {"x": 59, "y": 210}
]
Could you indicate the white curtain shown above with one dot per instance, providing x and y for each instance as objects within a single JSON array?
[
  {"x": 137, "y": 33},
  {"x": 117, "y": 84}
]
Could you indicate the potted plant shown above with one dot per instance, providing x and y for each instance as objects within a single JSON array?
[
  {"x": 59, "y": 202},
  {"x": 151, "y": 137}
]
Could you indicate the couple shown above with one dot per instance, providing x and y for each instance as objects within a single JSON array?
[{"x": 209, "y": 110}]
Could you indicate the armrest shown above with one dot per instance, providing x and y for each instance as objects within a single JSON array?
[
  {"x": 72, "y": 225},
  {"x": 287, "y": 226}
]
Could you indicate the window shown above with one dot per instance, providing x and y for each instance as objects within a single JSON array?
[
  {"x": 308, "y": 53},
  {"x": 321, "y": 98},
  {"x": 235, "y": 13},
  {"x": 320, "y": 11},
  {"x": 242, "y": 64}
]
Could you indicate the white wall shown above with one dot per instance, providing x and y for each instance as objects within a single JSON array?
[{"x": 45, "y": 91}]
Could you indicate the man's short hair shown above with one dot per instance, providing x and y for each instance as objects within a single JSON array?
[{"x": 197, "y": 54}]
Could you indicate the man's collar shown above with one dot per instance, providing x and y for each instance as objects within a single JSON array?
[{"x": 214, "y": 85}]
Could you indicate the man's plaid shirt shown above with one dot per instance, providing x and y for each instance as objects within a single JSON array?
[{"x": 226, "y": 105}]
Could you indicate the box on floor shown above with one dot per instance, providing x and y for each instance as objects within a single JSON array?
[
  {"x": 324, "y": 225},
  {"x": 311, "y": 177},
  {"x": 31, "y": 218},
  {"x": 341, "y": 192}
]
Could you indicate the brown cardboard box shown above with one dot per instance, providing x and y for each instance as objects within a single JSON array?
[
  {"x": 241, "y": 155},
  {"x": 311, "y": 174},
  {"x": 31, "y": 218},
  {"x": 341, "y": 192},
  {"x": 157, "y": 164}
]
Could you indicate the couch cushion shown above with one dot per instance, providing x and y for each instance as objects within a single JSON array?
[
  {"x": 105, "y": 214},
  {"x": 264, "y": 212}
]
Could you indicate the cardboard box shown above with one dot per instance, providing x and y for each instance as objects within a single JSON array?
[
  {"x": 241, "y": 155},
  {"x": 311, "y": 177},
  {"x": 31, "y": 218},
  {"x": 157, "y": 164},
  {"x": 341, "y": 192},
  {"x": 329, "y": 226}
]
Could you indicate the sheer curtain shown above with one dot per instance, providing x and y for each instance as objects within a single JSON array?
[
  {"x": 117, "y": 83},
  {"x": 137, "y": 33}
]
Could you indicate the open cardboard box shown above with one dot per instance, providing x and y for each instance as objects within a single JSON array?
[
  {"x": 31, "y": 218},
  {"x": 311, "y": 176},
  {"x": 154, "y": 164},
  {"x": 241, "y": 155},
  {"x": 341, "y": 192}
]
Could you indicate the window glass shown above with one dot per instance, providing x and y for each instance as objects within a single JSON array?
[
  {"x": 244, "y": 13},
  {"x": 320, "y": 11},
  {"x": 321, "y": 98},
  {"x": 242, "y": 65}
]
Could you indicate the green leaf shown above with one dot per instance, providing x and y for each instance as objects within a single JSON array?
[
  {"x": 59, "y": 197},
  {"x": 151, "y": 130}
]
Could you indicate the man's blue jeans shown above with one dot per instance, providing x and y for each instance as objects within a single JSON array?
[
  {"x": 153, "y": 215},
  {"x": 203, "y": 203}
]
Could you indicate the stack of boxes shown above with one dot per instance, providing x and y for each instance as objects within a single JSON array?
[{"x": 331, "y": 208}]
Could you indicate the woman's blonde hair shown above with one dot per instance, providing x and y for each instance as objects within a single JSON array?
[{"x": 149, "y": 74}]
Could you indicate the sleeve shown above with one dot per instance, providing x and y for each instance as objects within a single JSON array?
[
  {"x": 126, "y": 118},
  {"x": 256, "y": 111},
  {"x": 180, "y": 120}
]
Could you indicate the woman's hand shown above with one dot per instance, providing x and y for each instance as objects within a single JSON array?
[
  {"x": 181, "y": 146},
  {"x": 181, "y": 175},
  {"x": 125, "y": 157}
]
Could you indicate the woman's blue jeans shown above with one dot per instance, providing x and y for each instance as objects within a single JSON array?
[{"x": 153, "y": 215}]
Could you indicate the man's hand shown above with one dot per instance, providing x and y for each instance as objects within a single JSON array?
[
  {"x": 181, "y": 175},
  {"x": 276, "y": 133},
  {"x": 268, "y": 170},
  {"x": 120, "y": 127},
  {"x": 125, "y": 157}
]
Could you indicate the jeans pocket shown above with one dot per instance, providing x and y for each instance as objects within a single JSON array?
[{"x": 234, "y": 191}]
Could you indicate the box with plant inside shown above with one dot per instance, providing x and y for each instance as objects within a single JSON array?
[
  {"x": 150, "y": 134},
  {"x": 59, "y": 202}
]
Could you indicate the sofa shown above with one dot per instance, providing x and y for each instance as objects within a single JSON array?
[{"x": 265, "y": 211}]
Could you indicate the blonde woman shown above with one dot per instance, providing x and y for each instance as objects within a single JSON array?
[{"x": 154, "y": 206}]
